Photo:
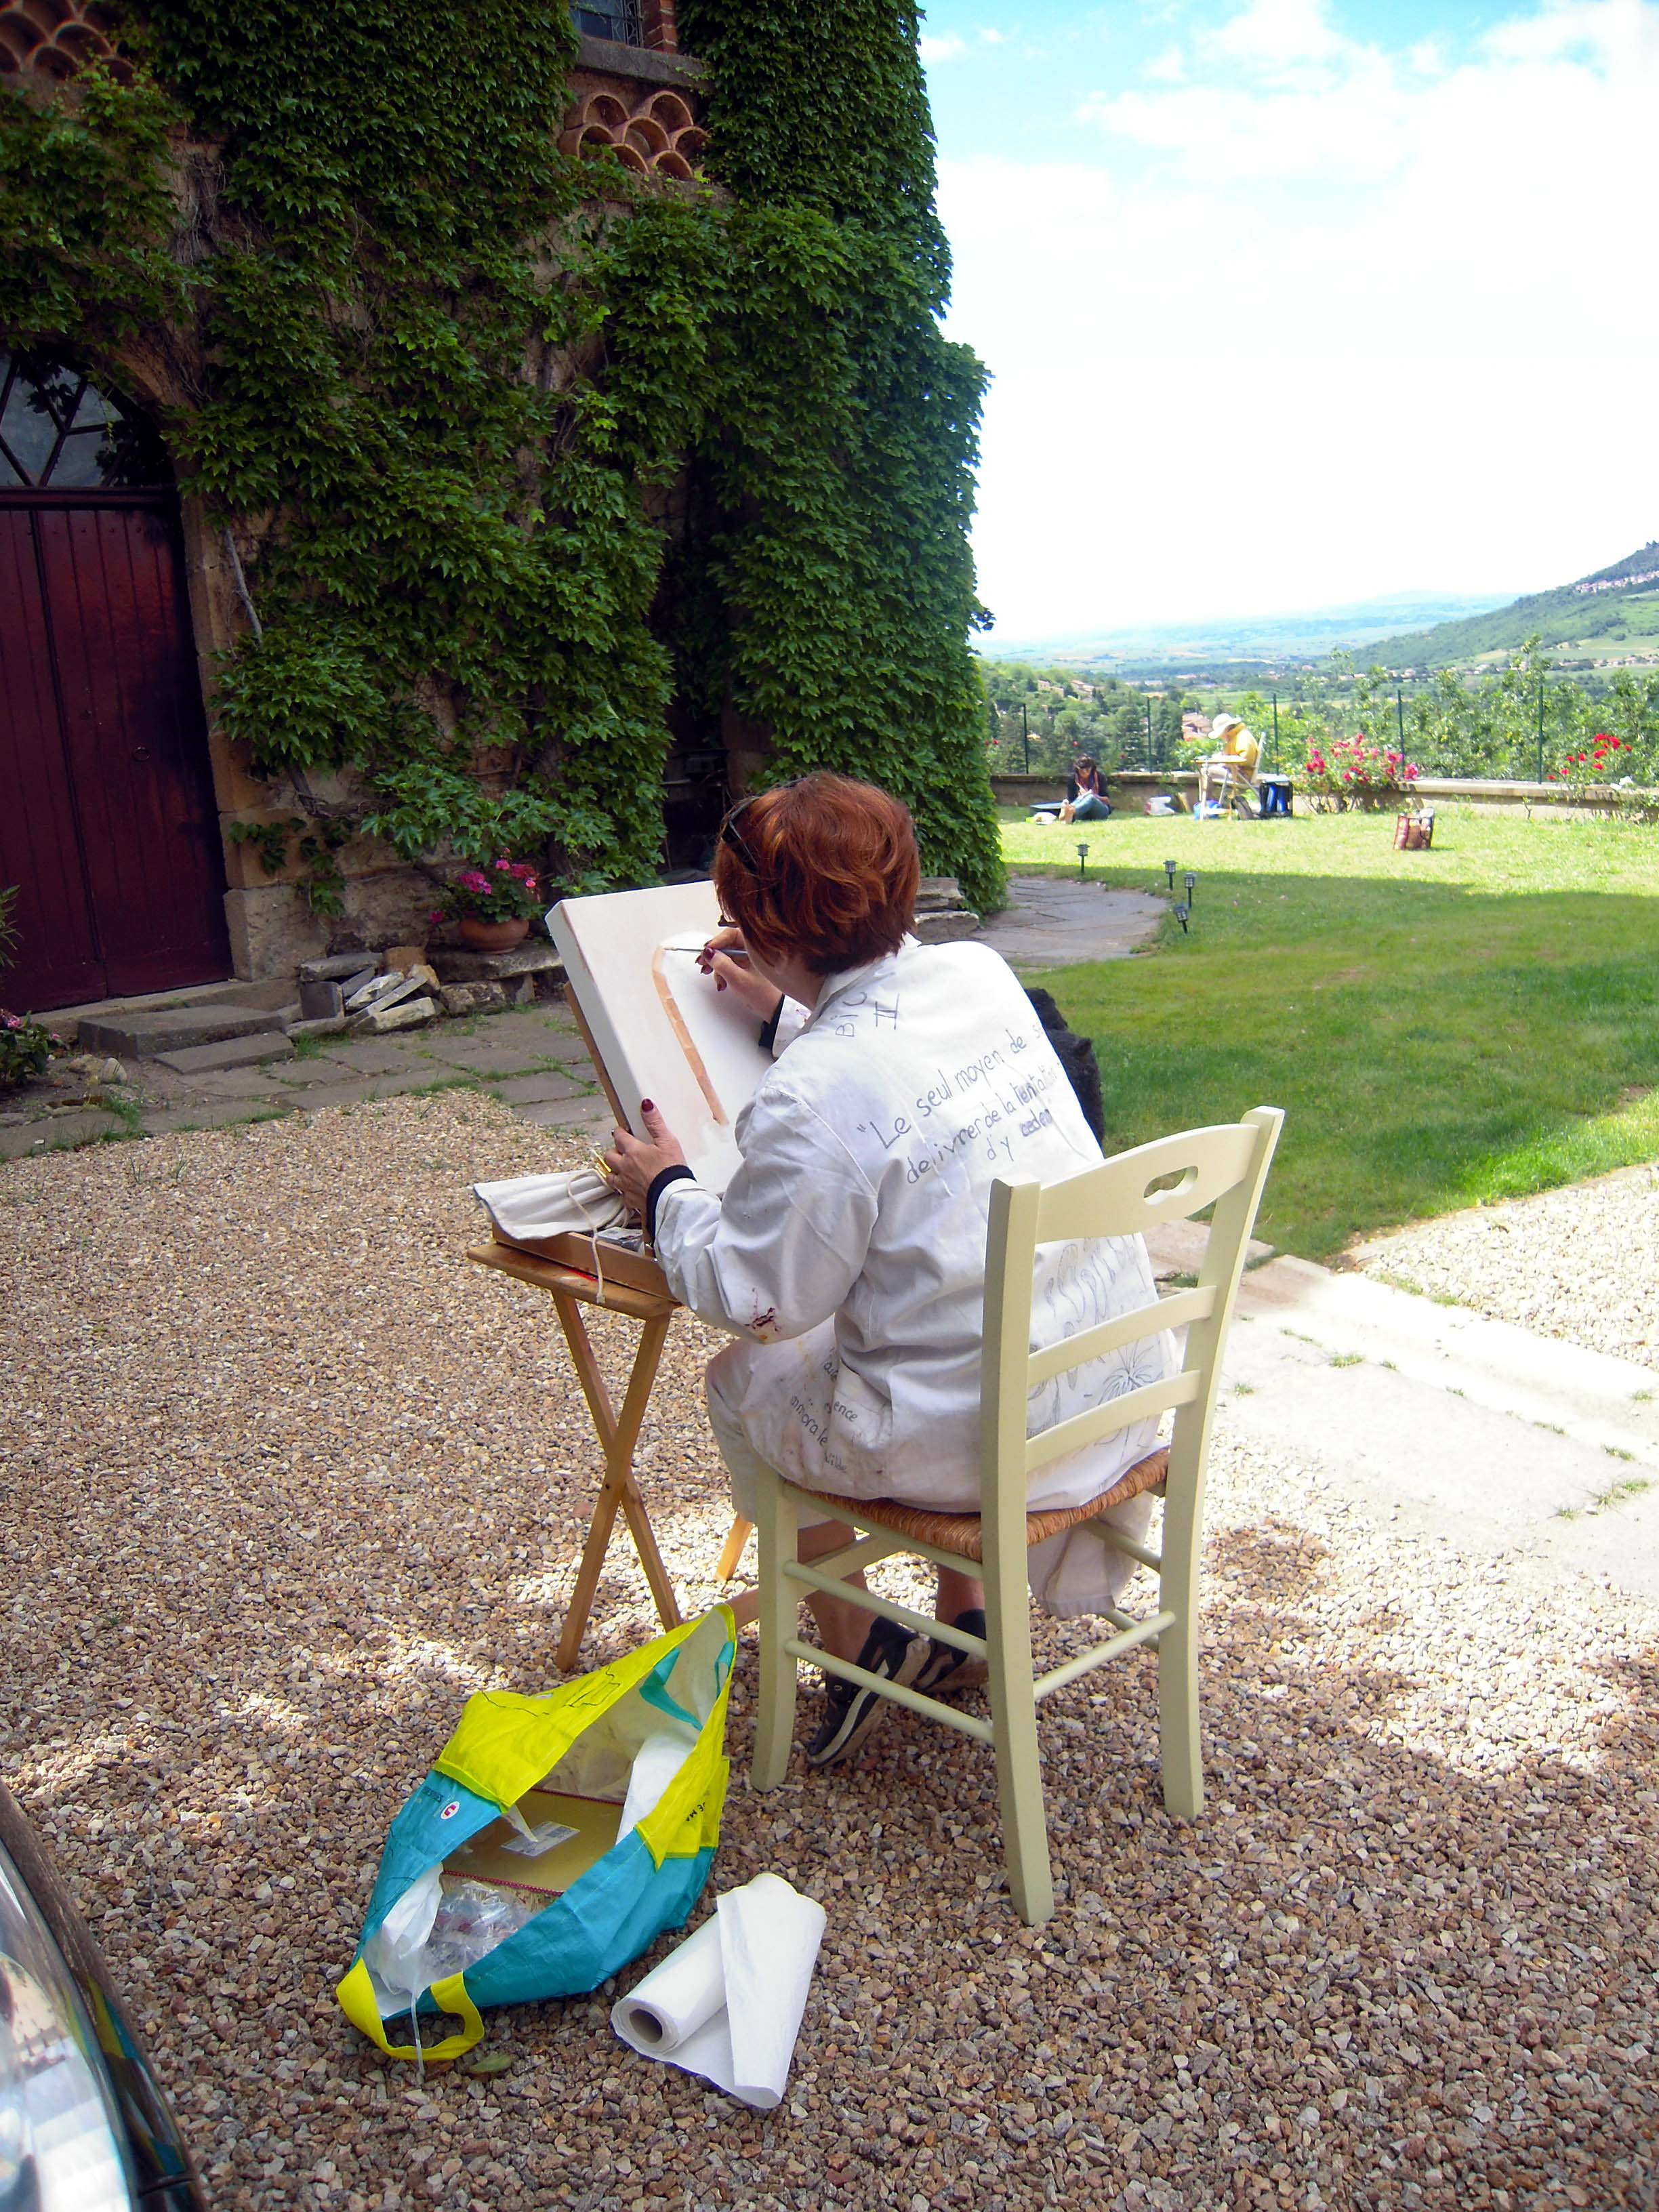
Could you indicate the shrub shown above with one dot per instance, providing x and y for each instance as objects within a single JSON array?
[
  {"x": 1356, "y": 773},
  {"x": 26, "y": 1046}
]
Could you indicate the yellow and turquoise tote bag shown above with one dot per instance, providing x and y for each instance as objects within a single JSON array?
[{"x": 555, "y": 1838}]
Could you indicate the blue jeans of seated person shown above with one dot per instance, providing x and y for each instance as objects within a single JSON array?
[{"x": 1087, "y": 807}]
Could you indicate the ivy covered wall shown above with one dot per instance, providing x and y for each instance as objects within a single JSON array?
[{"x": 506, "y": 451}]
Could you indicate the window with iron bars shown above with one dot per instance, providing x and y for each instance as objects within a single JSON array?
[{"x": 617, "y": 20}]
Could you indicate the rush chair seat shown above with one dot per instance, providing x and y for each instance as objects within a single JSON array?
[{"x": 1225, "y": 1167}]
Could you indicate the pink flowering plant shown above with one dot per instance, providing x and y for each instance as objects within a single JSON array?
[
  {"x": 501, "y": 891},
  {"x": 1356, "y": 773},
  {"x": 26, "y": 1046}
]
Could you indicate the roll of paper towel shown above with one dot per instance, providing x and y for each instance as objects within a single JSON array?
[{"x": 728, "y": 2003}]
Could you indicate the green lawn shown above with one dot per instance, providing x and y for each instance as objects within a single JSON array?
[{"x": 1470, "y": 1023}]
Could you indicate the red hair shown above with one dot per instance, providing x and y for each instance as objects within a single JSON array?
[{"x": 824, "y": 868}]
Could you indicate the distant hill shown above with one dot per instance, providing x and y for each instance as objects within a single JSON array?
[
  {"x": 1261, "y": 641},
  {"x": 1610, "y": 617}
]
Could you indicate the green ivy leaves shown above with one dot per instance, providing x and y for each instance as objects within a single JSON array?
[{"x": 530, "y": 448}]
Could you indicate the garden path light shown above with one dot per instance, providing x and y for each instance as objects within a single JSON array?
[
  {"x": 1191, "y": 882},
  {"x": 1169, "y": 870},
  {"x": 1181, "y": 913},
  {"x": 1082, "y": 860}
]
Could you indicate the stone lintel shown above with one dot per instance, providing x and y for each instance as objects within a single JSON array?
[{"x": 608, "y": 57}]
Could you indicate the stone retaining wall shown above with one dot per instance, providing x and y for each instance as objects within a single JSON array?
[{"x": 1130, "y": 790}]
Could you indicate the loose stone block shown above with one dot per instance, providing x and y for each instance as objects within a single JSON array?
[
  {"x": 410, "y": 1015},
  {"x": 471, "y": 997},
  {"x": 373, "y": 991},
  {"x": 335, "y": 967},
  {"x": 418, "y": 979},
  {"x": 320, "y": 1000}
]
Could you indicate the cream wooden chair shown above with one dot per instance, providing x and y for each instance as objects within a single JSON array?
[{"x": 1170, "y": 1180}]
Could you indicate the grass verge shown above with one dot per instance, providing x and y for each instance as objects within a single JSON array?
[{"x": 1468, "y": 1023}]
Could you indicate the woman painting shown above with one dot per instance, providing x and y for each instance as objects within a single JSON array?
[{"x": 847, "y": 1255}]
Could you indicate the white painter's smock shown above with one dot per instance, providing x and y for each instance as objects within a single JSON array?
[{"x": 849, "y": 1249}]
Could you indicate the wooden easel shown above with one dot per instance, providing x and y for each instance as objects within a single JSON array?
[
  {"x": 570, "y": 1290},
  {"x": 617, "y": 1433}
]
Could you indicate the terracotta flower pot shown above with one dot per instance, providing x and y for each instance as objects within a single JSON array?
[{"x": 492, "y": 936}]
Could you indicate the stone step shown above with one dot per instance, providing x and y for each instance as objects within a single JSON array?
[
  {"x": 938, "y": 895},
  {"x": 148, "y": 1035},
  {"x": 536, "y": 956},
  {"x": 277, "y": 994},
  {"x": 227, "y": 1052},
  {"x": 945, "y": 928}
]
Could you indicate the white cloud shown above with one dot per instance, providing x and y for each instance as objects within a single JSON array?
[
  {"x": 947, "y": 47},
  {"x": 993, "y": 37},
  {"x": 1287, "y": 37},
  {"x": 1169, "y": 67},
  {"x": 1356, "y": 303}
]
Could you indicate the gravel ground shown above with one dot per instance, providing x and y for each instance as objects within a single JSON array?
[
  {"x": 288, "y": 1479},
  {"x": 1582, "y": 1262}
]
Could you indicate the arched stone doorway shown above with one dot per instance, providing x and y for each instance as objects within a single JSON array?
[{"x": 109, "y": 828}]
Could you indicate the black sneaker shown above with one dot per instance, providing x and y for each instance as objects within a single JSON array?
[
  {"x": 851, "y": 1713},
  {"x": 945, "y": 1670}
]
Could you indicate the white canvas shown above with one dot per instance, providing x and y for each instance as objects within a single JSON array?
[{"x": 659, "y": 1027}]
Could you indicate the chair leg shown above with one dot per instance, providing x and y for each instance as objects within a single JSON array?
[
  {"x": 1014, "y": 1734},
  {"x": 1180, "y": 1747},
  {"x": 775, "y": 1721}
]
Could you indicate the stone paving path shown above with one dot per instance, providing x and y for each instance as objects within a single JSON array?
[
  {"x": 1055, "y": 921},
  {"x": 531, "y": 1057}
]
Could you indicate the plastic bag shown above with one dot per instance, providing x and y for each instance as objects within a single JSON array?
[{"x": 616, "y": 1779}]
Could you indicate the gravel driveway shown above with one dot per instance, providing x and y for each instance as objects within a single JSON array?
[
  {"x": 287, "y": 1479},
  {"x": 1582, "y": 1262}
]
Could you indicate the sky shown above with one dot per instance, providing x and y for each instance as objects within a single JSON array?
[{"x": 1291, "y": 303}]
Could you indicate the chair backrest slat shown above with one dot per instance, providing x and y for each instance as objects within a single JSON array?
[
  {"x": 1126, "y": 1328},
  {"x": 1224, "y": 1167},
  {"x": 1109, "y": 1416},
  {"x": 1116, "y": 1198}
]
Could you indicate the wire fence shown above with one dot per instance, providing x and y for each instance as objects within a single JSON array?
[{"x": 1520, "y": 723}]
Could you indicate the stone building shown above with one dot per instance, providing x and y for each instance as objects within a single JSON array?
[{"x": 117, "y": 596}]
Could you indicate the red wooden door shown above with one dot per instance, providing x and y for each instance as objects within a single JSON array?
[{"x": 111, "y": 831}]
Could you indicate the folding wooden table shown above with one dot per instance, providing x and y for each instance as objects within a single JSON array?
[{"x": 618, "y": 1433}]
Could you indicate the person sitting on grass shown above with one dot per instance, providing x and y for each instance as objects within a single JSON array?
[
  {"x": 847, "y": 1256},
  {"x": 1086, "y": 798}
]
